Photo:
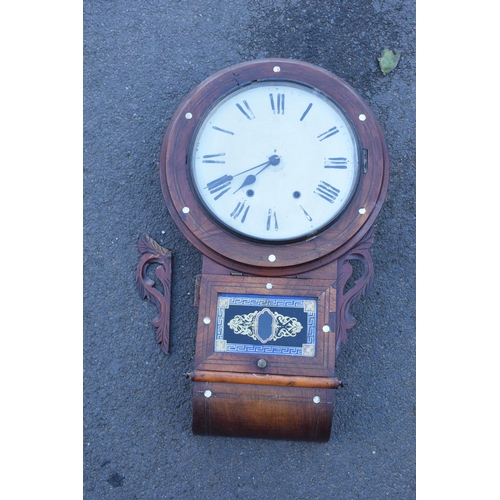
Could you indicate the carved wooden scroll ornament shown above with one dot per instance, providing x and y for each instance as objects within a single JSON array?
[
  {"x": 153, "y": 253},
  {"x": 345, "y": 320}
]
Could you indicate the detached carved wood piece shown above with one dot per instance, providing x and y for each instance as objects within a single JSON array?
[
  {"x": 152, "y": 254},
  {"x": 275, "y": 170}
]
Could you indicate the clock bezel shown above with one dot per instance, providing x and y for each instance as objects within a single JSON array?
[
  {"x": 242, "y": 253},
  {"x": 312, "y": 234}
]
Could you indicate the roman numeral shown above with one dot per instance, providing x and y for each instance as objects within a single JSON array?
[
  {"x": 220, "y": 186},
  {"x": 222, "y": 130},
  {"x": 239, "y": 209},
  {"x": 335, "y": 162},
  {"x": 308, "y": 217},
  {"x": 245, "y": 214},
  {"x": 280, "y": 104},
  {"x": 221, "y": 193},
  {"x": 328, "y": 133},
  {"x": 271, "y": 215},
  {"x": 208, "y": 158},
  {"x": 248, "y": 113},
  {"x": 327, "y": 191},
  {"x": 306, "y": 111}
]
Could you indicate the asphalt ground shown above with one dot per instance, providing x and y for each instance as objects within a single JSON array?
[{"x": 140, "y": 60}]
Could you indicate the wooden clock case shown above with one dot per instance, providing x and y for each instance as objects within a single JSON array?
[{"x": 253, "y": 394}]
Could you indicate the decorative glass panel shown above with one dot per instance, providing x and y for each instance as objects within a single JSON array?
[{"x": 257, "y": 324}]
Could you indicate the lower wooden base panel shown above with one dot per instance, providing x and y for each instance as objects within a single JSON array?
[{"x": 257, "y": 411}]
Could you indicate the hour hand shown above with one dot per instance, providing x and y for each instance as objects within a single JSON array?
[
  {"x": 250, "y": 179},
  {"x": 218, "y": 184}
]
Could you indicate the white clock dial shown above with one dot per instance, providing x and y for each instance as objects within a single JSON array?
[{"x": 275, "y": 161}]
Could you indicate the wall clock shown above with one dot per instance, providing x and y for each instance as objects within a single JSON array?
[{"x": 275, "y": 170}]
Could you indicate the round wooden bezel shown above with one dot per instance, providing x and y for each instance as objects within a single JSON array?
[{"x": 257, "y": 257}]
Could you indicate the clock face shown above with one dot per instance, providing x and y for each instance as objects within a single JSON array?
[{"x": 275, "y": 161}]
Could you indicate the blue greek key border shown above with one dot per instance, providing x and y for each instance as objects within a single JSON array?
[{"x": 308, "y": 304}]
